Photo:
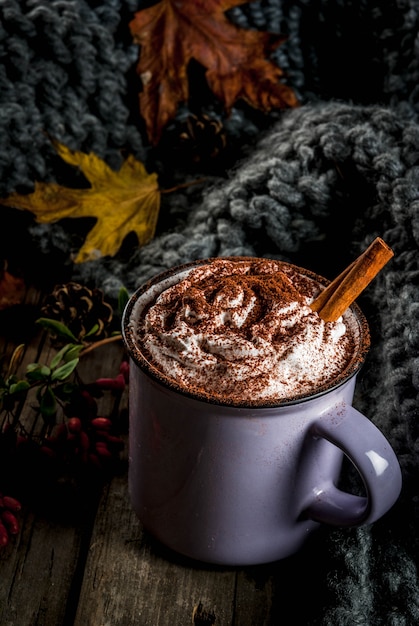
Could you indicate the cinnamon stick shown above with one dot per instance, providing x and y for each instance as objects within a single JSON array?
[{"x": 333, "y": 301}]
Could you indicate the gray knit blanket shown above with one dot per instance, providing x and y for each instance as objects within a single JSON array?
[{"x": 312, "y": 185}]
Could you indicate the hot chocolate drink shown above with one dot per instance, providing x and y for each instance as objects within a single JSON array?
[
  {"x": 241, "y": 329},
  {"x": 240, "y": 409}
]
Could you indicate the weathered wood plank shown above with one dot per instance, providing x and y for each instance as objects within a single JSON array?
[
  {"x": 37, "y": 572},
  {"x": 40, "y": 571},
  {"x": 129, "y": 579}
]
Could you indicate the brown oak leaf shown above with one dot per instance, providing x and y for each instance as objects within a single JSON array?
[
  {"x": 122, "y": 202},
  {"x": 173, "y": 32},
  {"x": 12, "y": 290}
]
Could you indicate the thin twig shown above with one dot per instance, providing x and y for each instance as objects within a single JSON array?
[
  {"x": 100, "y": 343},
  {"x": 183, "y": 185}
]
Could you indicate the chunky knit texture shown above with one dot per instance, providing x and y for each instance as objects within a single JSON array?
[{"x": 313, "y": 185}]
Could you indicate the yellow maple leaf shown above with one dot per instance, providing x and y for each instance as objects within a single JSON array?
[{"x": 123, "y": 202}]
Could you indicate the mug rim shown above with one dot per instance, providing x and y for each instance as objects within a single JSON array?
[{"x": 135, "y": 353}]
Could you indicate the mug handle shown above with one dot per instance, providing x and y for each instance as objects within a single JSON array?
[{"x": 372, "y": 456}]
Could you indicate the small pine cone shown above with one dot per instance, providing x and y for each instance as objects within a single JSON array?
[
  {"x": 202, "y": 137},
  {"x": 79, "y": 308},
  {"x": 196, "y": 140}
]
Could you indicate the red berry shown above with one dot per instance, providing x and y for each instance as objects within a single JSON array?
[
  {"x": 21, "y": 440},
  {"x": 60, "y": 433},
  {"x": 101, "y": 434},
  {"x": 10, "y": 522},
  {"x": 83, "y": 450},
  {"x": 94, "y": 460},
  {"x": 48, "y": 451},
  {"x": 120, "y": 381},
  {"x": 103, "y": 450},
  {"x": 112, "y": 384},
  {"x": 101, "y": 422},
  {"x": 115, "y": 441},
  {"x": 90, "y": 403},
  {"x": 11, "y": 503},
  {"x": 74, "y": 425},
  {"x": 4, "y": 536},
  {"x": 84, "y": 440},
  {"x": 105, "y": 383},
  {"x": 124, "y": 370}
]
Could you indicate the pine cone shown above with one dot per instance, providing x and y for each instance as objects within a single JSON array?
[
  {"x": 202, "y": 137},
  {"x": 79, "y": 308},
  {"x": 195, "y": 141}
]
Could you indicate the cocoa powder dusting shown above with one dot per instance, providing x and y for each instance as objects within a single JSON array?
[{"x": 242, "y": 330}]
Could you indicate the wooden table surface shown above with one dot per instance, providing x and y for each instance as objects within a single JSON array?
[{"x": 98, "y": 567}]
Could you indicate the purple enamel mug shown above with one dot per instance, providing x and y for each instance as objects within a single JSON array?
[{"x": 246, "y": 483}]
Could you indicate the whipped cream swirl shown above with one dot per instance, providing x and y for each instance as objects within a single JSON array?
[{"x": 243, "y": 330}]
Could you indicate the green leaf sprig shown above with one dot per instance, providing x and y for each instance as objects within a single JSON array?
[{"x": 51, "y": 380}]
